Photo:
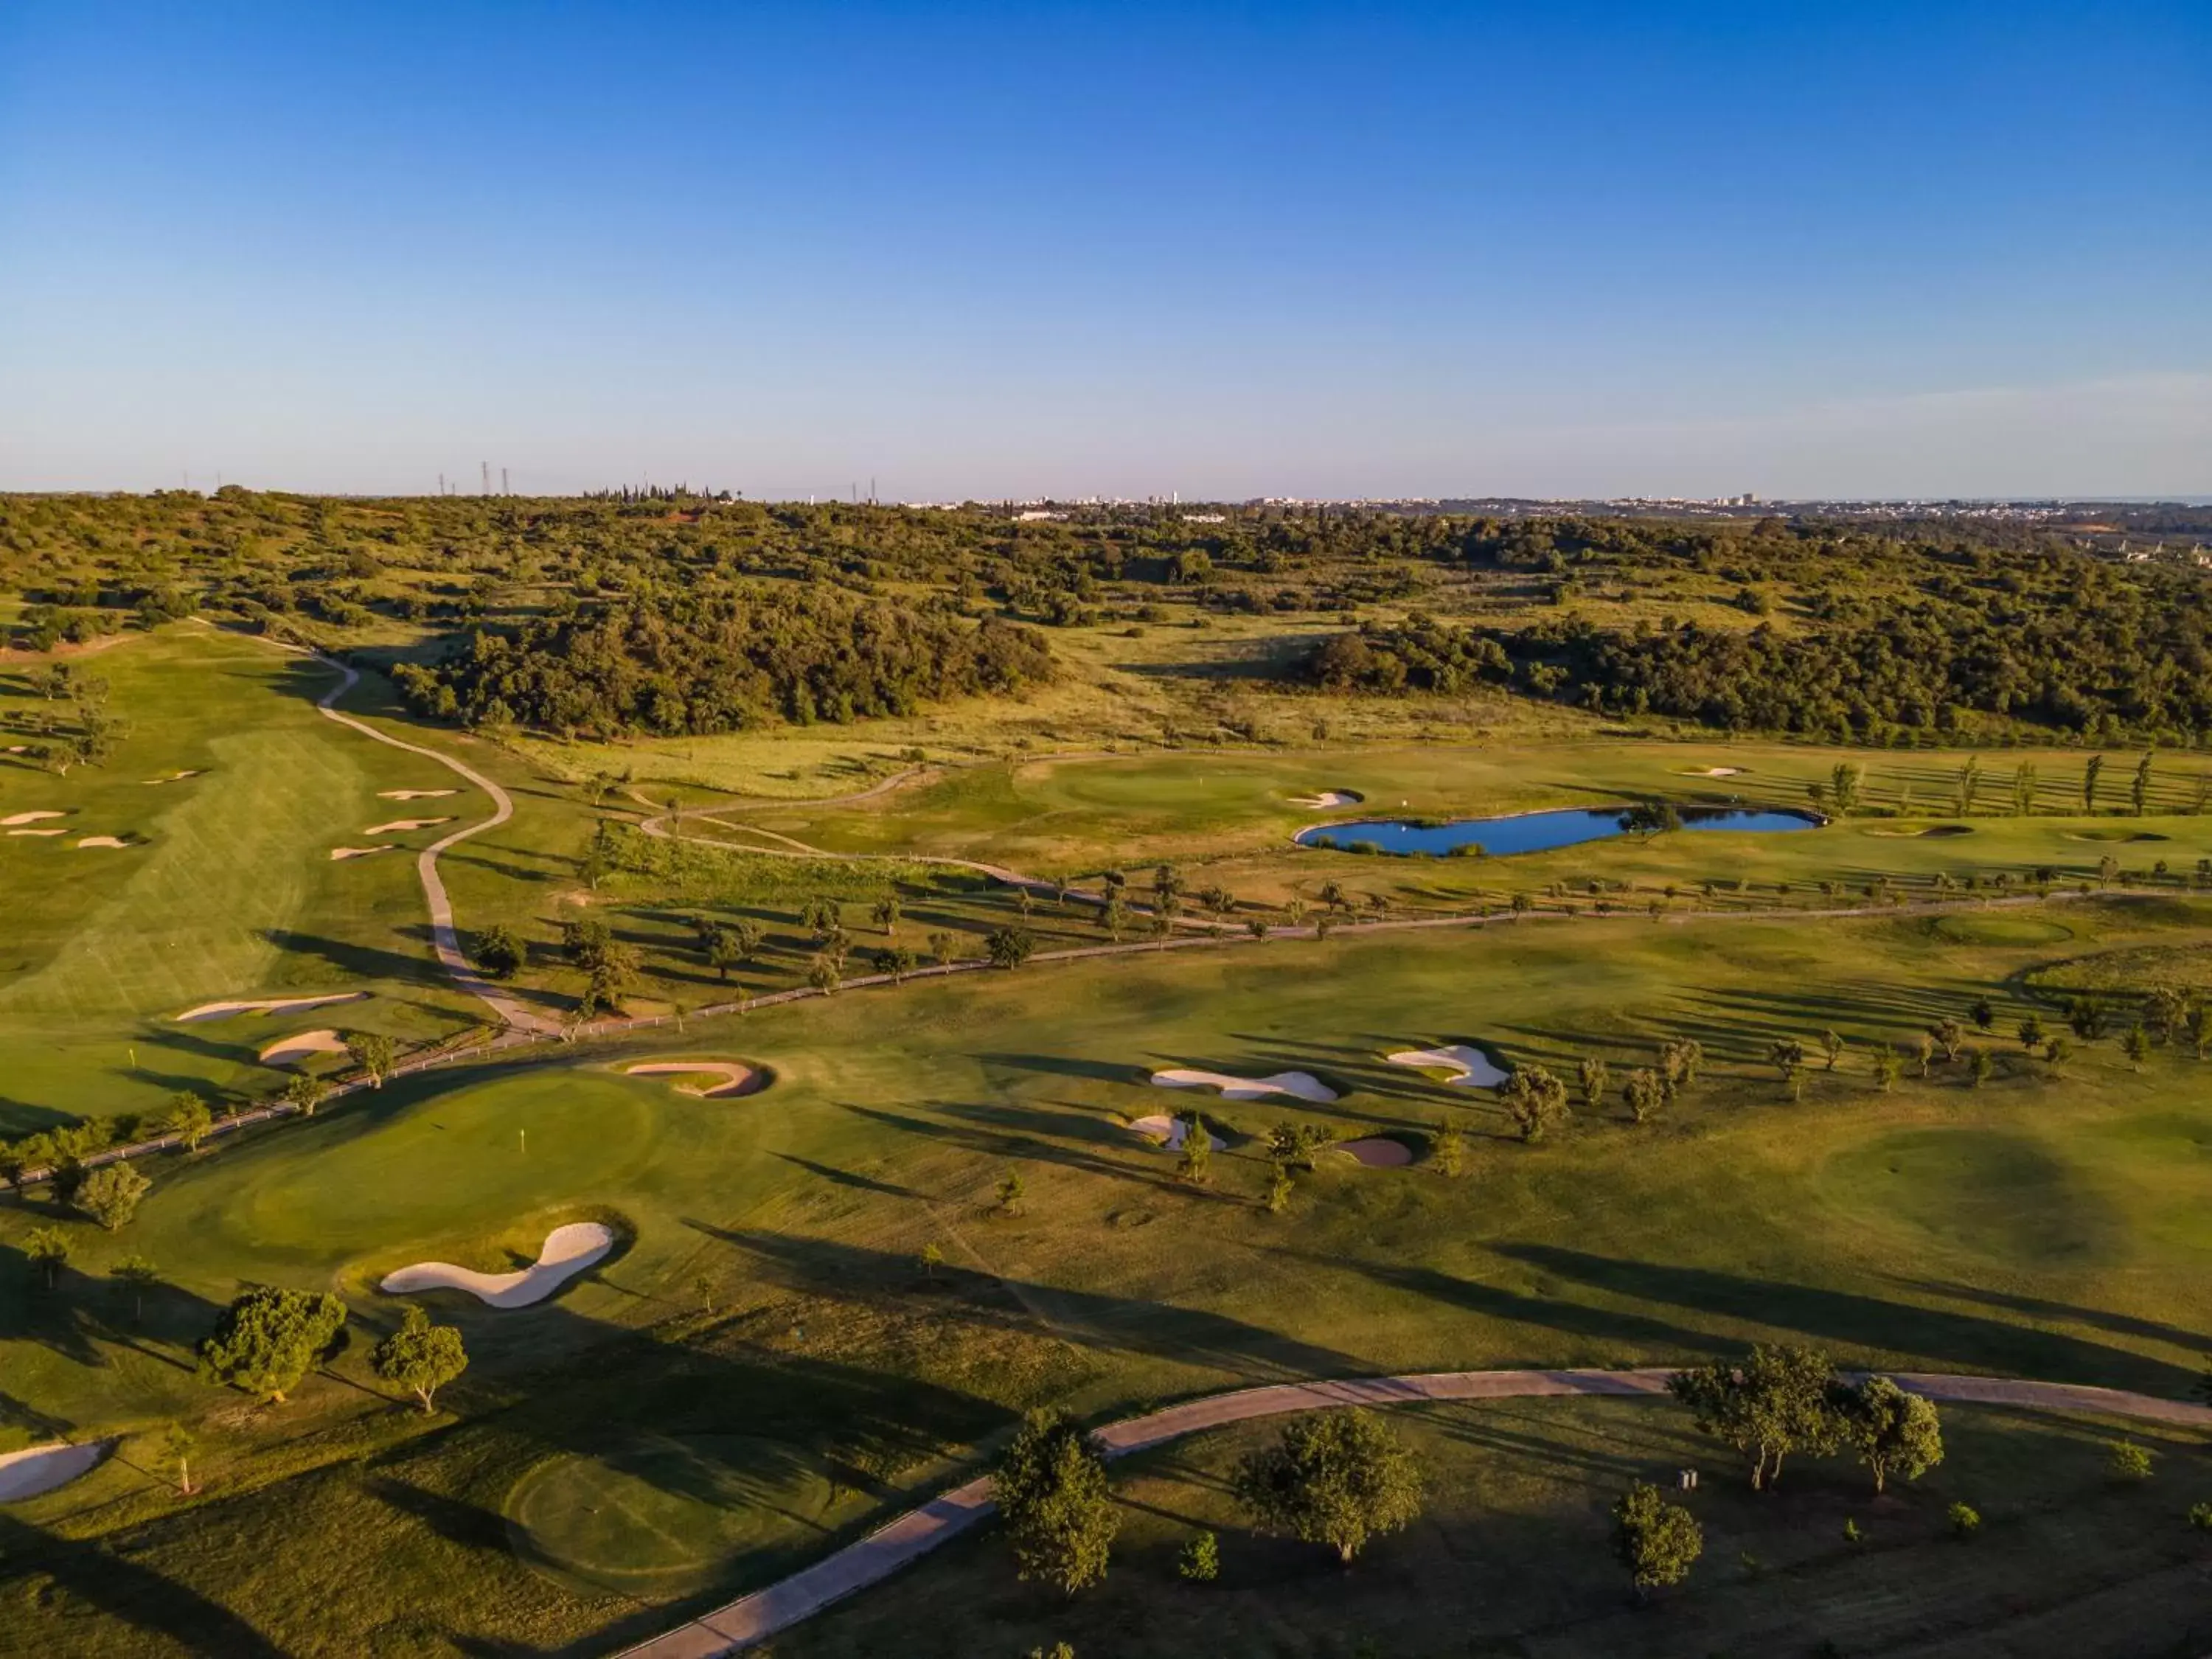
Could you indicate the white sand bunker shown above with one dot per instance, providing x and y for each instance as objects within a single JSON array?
[
  {"x": 338, "y": 852},
  {"x": 29, "y": 818},
  {"x": 102, "y": 841},
  {"x": 398, "y": 825},
  {"x": 266, "y": 1005},
  {"x": 569, "y": 1250},
  {"x": 176, "y": 777},
  {"x": 1474, "y": 1069},
  {"x": 37, "y": 832},
  {"x": 734, "y": 1079},
  {"x": 291, "y": 1050},
  {"x": 1378, "y": 1152},
  {"x": 1714, "y": 772},
  {"x": 1304, "y": 1084},
  {"x": 42, "y": 1469},
  {"x": 1329, "y": 798},
  {"x": 1171, "y": 1133},
  {"x": 414, "y": 794}
]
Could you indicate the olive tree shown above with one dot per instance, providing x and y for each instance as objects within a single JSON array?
[
  {"x": 1052, "y": 1491},
  {"x": 1889, "y": 1431},
  {"x": 266, "y": 1340},
  {"x": 420, "y": 1357},
  {"x": 1777, "y": 1402},
  {"x": 1336, "y": 1477},
  {"x": 1657, "y": 1541}
]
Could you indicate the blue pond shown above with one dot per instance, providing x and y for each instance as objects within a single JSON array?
[{"x": 1533, "y": 832}]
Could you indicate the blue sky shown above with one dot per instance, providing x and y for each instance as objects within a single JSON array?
[{"x": 971, "y": 250}]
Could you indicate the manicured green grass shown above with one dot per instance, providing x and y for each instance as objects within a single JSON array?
[
  {"x": 2034, "y": 1226},
  {"x": 227, "y": 891}
]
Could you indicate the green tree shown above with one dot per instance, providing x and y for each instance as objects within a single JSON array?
[
  {"x": 2139, "y": 791},
  {"x": 1337, "y": 1477},
  {"x": 1645, "y": 1094},
  {"x": 2031, "y": 1031},
  {"x": 1057, "y": 1504},
  {"x": 1777, "y": 1402},
  {"x": 1448, "y": 1148},
  {"x": 1649, "y": 818},
  {"x": 1010, "y": 947},
  {"x": 2128, "y": 1461},
  {"x": 823, "y": 973},
  {"x": 1011, "y": 1189},
  {"x": 1984, "y": 1013},
  {"x": 177, "y": 1445},
  {"x": 944, "y": 947},
  {"x": 372, "y": 1051},
  {"x": 1832, "y": 1045},
  {"x": 420, "y": 1357},
  {"x": 2135, "y": 1045},
  {"x": 1195, "y": 1167},
  {"x": 110, "y": 1194},
  {"x": 1657, "y": 1541},
  {"x": 1787, "y": 1056},
  {"x": 1592, "y": 1074},
  {"x": 1966, "y": 1520},
  {"x": 932, "y": 1257},
  {"x": 887, "y": 913},
  {"x": 1200, "y": 1561},
  {"x": 1888, "y": 1430},
  {"x": 266, "y": 1340},
  {"x": 500, "y": 953},
  {"x": 1277, "y": 1197},
  {"x": 2090, "y": 770},
  {"x": 1980, "y": 1068},
  {"x": 188, "y": 1119},
  {"x": 1535, "y": 1101},
  {"x": 306, "y": 1091},
  {"x": 47, "y": 1247}
]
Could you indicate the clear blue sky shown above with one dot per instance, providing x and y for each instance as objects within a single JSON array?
[{"x": 1227, "y": 250}]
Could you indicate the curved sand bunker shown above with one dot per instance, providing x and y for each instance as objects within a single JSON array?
[
  {"x": 1474, "y": 1068},
  {"x": 37, "y": 832},
  {"x": 175, "y": 777},
  {"x": 266, "y": 1005},
  {"x": 1304, "y": 1084},
  {"x": 414, "y": 794},
  {"x": 1171, "y": 1132},
  {"x": 566, "y": 1252},
  {"x": 338, "y": 852},
  {"x": 1378, "y": 1152},
  {"x": 42, "y": 1469},
  {"x": 1715, "y": 772},
  {"x": 29, "y": 818},
  {"x": 1329, "y": 798},
  {"x": 736, "y": 1079},
  {"x": 290, "y": 1050},
  {"x": 102, "y": 841},
  {"x": 397, "y": 825}
]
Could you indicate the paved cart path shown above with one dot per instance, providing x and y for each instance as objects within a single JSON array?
[{"x": 753, "y": 1619}]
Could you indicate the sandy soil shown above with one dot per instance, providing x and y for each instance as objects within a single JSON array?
[
  {"x": 736, "y": 1079},
  {"x": 265, "y": 1005},
  {"x": 414, "y": 794},
  {"x": 1378, "y": 1152},
  {"x": 1329, "y": 798},
  {"x": 287, "y": 1051},
  {"x": 338, "y": 852},
  {"x": 1304, "y": 1084},
  {"x": 42, "y": 1469},
  {"x": 103, "y": 841},
  {"x": 1476, "y": 1070},
  {"x": 568, "y": 1251},
  {"x": 397, "y": 825},
  {"x": 37, "y": 832},
  {"x": 30, "y": 818},
  {"x": 1171, "y": 1132}
]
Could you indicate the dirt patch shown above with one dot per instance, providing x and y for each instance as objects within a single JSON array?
[{"x": 1378, "y": 1151}]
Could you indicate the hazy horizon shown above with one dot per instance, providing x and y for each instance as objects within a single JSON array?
[{"x": 1226, "y": 252}]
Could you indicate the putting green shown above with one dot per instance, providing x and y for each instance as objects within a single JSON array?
[
  {"x": 1998, "y": 928},
  {"x": 1989, "y": 1192},
  {"x": 476, "y": 1160},
  {"x": 660, "y": 1516}
]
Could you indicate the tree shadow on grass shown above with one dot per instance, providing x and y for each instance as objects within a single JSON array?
[
  {"x": 1015, "y": 1132},
  {"x": 1858, "y": 1321},
  {"x": 91, "y": 1573},
  {"x": 848, "y": 1177},
  {"x": 358, "y": 961}
]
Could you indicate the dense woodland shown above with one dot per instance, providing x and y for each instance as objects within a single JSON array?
[{"x": 672, "y": 612}]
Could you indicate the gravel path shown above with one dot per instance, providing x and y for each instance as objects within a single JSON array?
[{"x": 753, "y": 1619}]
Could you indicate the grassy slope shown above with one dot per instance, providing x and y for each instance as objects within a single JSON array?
[
  {"x": 1889, "y": 1227},
  {"x": 231, "y": 892}
]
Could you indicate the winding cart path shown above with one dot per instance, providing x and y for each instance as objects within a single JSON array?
[{"x": 754, "y": 1619}]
